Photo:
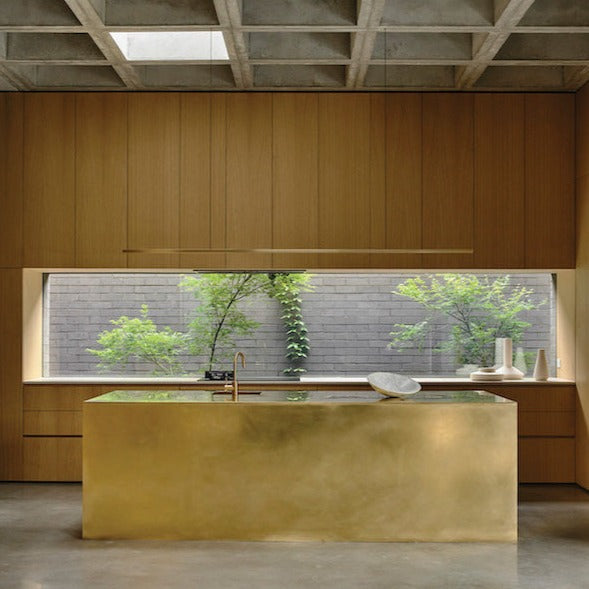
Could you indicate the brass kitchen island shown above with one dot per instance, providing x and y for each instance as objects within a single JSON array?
[{"x": 300, "y": 465}]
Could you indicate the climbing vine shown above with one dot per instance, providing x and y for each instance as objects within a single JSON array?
[{"x": 287, "y": 289}]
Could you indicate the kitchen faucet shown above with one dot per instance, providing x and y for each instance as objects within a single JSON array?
[{"x": 235, "y": 386}]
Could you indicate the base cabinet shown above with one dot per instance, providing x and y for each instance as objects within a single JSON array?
[
  {"x": 52, "y": 419},
  {"x": 546, "y": 429}
]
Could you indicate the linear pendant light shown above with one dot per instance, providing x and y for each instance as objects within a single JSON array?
[{"x": 274, "y": 250}]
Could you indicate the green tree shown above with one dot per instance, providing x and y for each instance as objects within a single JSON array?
[
  {"x": 218, "y": 319},
  {"x": 479, "y": 309},
  {"x": 139, "y": 338}
]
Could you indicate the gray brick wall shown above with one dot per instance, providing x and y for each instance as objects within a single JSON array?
[{"x": 349, "y": 317}]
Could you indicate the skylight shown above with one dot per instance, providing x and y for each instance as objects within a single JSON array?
[{"x": 172, "y": 45}]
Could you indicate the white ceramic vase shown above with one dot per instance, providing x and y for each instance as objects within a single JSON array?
[
  {"x": 541, "y": 368},
  {"x": 508, "y": 370},
  {"x": 498, "y": 352},
  {"x": 520, "y": 360}
]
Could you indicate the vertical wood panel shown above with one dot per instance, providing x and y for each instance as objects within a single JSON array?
[
  {"x": 218, "y": 176},
  {"x": 49, "y": 185},
  {"x": 344, "y": 177},
  {"x": 582, "y": 291},
  {"x": 195, "y": 180},
  {"x": 448, "y": 178},
  {"x": 249, "y": 178},
  {"x": 378, "y": 205},
  {"x": 499, "y": 181},
  {"x": 11, "y": 452},
  {"x": 295, "y": 176},
  {"x": 550, "y": 173},
  {"x": 582, "y": 131},
  {"x": 101, "y": 180},
  {"x": 154, "y": 177},
  {"x": 11, "y": 179},
  {"x": 403, "y": 178}
]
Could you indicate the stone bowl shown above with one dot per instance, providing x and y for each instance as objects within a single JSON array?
[{"x": 391, "y": 384}]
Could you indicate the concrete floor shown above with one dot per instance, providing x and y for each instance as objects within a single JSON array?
[{"x": 41, "y": 548}]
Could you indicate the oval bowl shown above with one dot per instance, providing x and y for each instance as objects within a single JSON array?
[{"x": 392, "y": 384}]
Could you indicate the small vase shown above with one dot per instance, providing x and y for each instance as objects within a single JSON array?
[
  {"x": 520, "y": 360},
  {"x": 498, "y": 352},
  {"x": 541, "y": 368},
  {"x": 508, "y": 370}
]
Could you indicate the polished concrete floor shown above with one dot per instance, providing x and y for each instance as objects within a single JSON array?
[{"x": 41, "y": 548}]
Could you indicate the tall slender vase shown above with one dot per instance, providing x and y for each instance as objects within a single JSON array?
[
  {"x": 541, "y": 368},
  {"x": 498, "y": 352},
  {"x": 508, "y": 370}
]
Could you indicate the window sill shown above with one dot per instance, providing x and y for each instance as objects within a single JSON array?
[{"x": 308, "y": 380}]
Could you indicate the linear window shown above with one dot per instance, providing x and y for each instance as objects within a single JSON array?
[{"x": 159, "y": 324}]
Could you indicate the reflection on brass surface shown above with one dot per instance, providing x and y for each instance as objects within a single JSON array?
[{"x": 299, "y": 470}]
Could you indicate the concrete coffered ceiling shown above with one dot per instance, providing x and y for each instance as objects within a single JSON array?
[{"x": 507, "y": 45}]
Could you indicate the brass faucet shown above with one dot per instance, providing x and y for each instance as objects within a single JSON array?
[{"x": 235, "y": 389}]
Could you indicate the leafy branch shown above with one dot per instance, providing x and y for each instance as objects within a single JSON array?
[
  {"x": 140, "y": 339},
  {"x": 480, "y": 311}
]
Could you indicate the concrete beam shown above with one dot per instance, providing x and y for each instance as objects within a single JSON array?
[
  {"x": 229, "y": 16},
  {"x": 85, "y": 11},
  {"x": 369, "y": 18},
  {"x": 507, "y": 16},
  {"x": 575, "y": 78}
]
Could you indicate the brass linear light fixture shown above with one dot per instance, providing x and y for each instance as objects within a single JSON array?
[{"x": 273, "y": 250}]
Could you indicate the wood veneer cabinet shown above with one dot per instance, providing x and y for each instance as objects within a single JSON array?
[
  {"x": 101, "y": 180},
  {"x": 50, "y": 431},
  {"x": 499, "y": 181},
  {"x": 11, "y": 441},
  {"x": 295, "y": 173},
  {"x": 550, "y": 181},
  {"x": 546, "y": 428},
  {"x": 447, "y": 213},
  {"x": 154, "y": 178},
  {"x": 49, "y": 180},
  {"x": 404, "y": 179},
  {"x": 11, "y": 179},
  {"x": 248, "y": 213},
  {"x": 345, "y": 174},
  {"x": 52, "y": 417},
  {"x": 102, "y": 172},
  {"x": 196, "y": 203}
]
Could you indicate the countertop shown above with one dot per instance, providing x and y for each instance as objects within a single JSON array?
[{"x": 302, "y": 396}]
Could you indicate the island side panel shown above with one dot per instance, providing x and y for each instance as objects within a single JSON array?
[{"x": 361, "y": 472}]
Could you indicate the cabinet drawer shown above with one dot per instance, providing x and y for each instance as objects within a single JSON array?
[
  {"x": 60, "y": 397},
  {"x": 546, "y": 423},
  {"x": 539, "y": 397},
  {"x": 52, "y": 423},
  {"x": 52, "y": 459},
  {"x": 71, "y": 397},
  {"x": 546, "y": 460}
]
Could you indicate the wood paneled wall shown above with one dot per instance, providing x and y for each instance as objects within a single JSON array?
[
  {"x": 84, "y": 176},
  {"x": 582, "y": 287},
  {"x": 99, "y": 173}
]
